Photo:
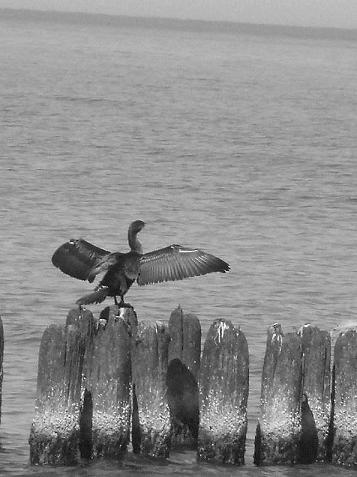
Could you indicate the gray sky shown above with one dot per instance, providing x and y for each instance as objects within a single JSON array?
[{"x": 330, "y": 13}]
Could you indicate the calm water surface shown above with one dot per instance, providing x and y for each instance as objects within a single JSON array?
[{"x": 239, "y": 143}]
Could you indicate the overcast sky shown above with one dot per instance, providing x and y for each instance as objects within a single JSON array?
[{"x": 329, "y": 13}]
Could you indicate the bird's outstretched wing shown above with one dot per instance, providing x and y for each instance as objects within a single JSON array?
[
  {"x": 104, "y": 264},
  {"x": 77, "y": 258},
  {"x": 175, "y": 263}
]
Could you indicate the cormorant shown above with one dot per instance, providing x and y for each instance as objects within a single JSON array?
[{"x": 83, "y": 260}]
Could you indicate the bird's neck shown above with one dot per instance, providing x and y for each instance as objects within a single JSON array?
[{"x": 134, "y": 243}]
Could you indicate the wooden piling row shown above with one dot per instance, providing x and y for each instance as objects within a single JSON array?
[{"x": 105, "y": 383}]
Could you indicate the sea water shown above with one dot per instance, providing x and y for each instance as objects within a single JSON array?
[{"x": 238, "y": 140}]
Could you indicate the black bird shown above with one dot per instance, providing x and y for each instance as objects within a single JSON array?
[{"x": 81, "y": 259}]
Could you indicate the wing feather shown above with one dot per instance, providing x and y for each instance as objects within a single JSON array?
[
  {"x": 175, "y": 263},
  {"x": 177, "y": 271},
  {"x": 77, "y": 257}
]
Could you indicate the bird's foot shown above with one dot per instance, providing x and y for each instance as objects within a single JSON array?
[{"x": 121, "y": 309}]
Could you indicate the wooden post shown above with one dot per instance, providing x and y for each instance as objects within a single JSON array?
[
  {"x": 278, "y": 431},
  {"x": 224, "y": 382},
  {"x": 151, "y": 416},
  {"x": 295, "y": 397},
  {"x": 107, "y": 378},
  {"x": 1, "y": 360},
  {"x": 344, "y": 450},
  {"x": 185, "y": 344},
  {"x": 316, "y": 394},
  {"x": 182, "y": 377},
  {"x": 54, "y": 437}
]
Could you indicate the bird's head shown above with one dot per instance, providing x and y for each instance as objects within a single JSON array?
[{"x": 136, "y": 226}]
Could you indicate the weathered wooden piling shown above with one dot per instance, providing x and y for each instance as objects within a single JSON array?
[
  {"x": 54, "y": 437},
  {"x": 182, "y": 377},
  {"x": 315, "y": 394},
  {"x": 278, "y": 429},
  {"x": 106, "y": 384},
  {"x": 344, "y": 450},
  {"x": 224, "y": 382},
  {"x": 1, "y": 360},
  {"x": 185, "y": 340},
  {"x": 151, "y": 429},
  {"x": 295, "y": 397}
]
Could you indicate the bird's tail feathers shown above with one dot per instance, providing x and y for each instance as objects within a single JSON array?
[{"x": 97, "y": 296}]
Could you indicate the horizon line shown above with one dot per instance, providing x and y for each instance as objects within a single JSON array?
[{"x": 289, "y": 28}]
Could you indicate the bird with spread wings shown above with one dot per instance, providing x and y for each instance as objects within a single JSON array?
[{"x": 83, "y": 260}]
